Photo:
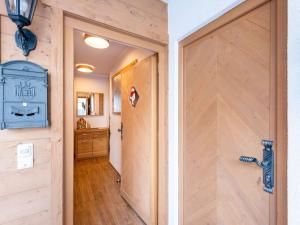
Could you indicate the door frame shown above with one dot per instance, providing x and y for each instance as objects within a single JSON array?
[
  {"x": 72, "y": 23},
  {"x": 278, "y": 214}
]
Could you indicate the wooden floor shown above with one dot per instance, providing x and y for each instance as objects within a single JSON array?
[{"x": 97, "y": 198}]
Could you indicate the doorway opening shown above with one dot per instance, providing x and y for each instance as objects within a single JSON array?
[
  {"x": 112, "y": 116},
  {"x": 112, "y": 125}
]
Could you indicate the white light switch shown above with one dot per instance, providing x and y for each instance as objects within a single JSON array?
[{"x": 25, "y": 156}]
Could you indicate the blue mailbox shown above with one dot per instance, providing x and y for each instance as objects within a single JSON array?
[{"x": 23, "y": 95}]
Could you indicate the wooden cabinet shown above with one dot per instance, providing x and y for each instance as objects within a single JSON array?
[{"x": 91, "y": 142}]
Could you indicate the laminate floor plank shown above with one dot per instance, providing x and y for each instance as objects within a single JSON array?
[{"x": 97, "y": 195}]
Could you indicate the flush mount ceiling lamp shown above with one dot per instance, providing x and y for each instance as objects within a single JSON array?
[
  {"x": 85, "y": 68},
  {"x": 96, "y": 42},
  {"x": 21, "y": 13}
]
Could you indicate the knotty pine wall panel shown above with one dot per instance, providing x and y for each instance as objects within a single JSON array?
[
  {"x": 146, "y": 18},
  {"x": 25, "y": 195}
]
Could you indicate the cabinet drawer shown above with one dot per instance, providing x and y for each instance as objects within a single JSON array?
[
  {"x": 84, "y": 137},
  {"x": 84, "y": 146},
  {"x": 102, "y": 134},
  {"x": 100, "y": 147},
  {"x": 100, "y": 144}
]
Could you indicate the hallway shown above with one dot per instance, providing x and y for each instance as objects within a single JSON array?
[{"x": 97, "y": 198}]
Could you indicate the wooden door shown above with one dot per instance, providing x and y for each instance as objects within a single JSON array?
[
  {"x": 227, "y": 97},
  {"x": 139, "y": 144}
]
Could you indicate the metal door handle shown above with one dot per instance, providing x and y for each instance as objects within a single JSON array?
[
  {"x": 248, "y": 159},
  {"x": 121, "y": 130},
  {"x": 267, "y": 165}
]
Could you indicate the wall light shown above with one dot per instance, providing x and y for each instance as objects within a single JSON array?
[
  {"x": 85, "y": 68},
  {"x": 96, "y": 42},
  {"x": 21, "y": 13}
]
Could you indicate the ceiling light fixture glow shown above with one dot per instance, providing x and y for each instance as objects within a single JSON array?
[
  {"x": 85, "y": 68},
  {"x": 96, "y": 42}
]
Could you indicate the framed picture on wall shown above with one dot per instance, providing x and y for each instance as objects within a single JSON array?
[{"x": 116, "y": 94}]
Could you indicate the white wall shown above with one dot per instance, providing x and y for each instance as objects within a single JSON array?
[
  {"x": 115, "y": 120},
  {"x": 294, "y": 111},
  {"x": 90, "y": 83}
]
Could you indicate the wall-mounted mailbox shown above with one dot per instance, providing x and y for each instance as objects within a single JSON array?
[{"x": 23, "y": 95}]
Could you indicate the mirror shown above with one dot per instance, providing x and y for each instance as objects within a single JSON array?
[{"x": 90, "y": 104}]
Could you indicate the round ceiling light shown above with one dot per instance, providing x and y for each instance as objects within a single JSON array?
[
  {"x": 96, "y": 42},
  {"x": 85, "y": 68}
]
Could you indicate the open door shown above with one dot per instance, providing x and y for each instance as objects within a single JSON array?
[
  {"x": 228, "y": 110},
  {"x": 139, "y": 138}
]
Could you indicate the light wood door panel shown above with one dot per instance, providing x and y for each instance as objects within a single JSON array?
[
  {"x": 139, "y": 143},
  {"x": 226, "y": 114}
]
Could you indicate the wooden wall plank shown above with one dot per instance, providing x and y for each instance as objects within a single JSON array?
[
  {"x": 11, "y": 52},
  {"x": 25, "y": 195},
  {"x": 143, "y": 17},
  {"x": 40, "y": 25},
  {"x": 8, "y": 152},
  {"x": 20, "y": 135},
  {"x": 35, "y": 219},
  {"x": 27, "y": 203},
  {"x": 40, "y": 174}
]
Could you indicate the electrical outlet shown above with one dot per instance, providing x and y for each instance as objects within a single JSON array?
[{"x": 25, "y": 156}]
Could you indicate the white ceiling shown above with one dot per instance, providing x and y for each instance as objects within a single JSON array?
[{"x": 103, "y": 59}]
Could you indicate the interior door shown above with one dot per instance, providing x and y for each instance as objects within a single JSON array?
[
  {"x": 227, "y": 112},
  {"x": 139, "y": 144}
]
